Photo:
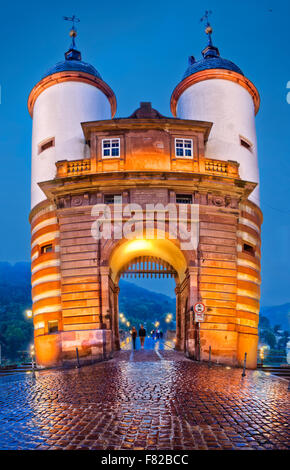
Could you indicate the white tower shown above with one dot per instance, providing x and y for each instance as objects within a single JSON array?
[
  {"x": 70, "y": 93},
  {"x": 215, "y": 89}
]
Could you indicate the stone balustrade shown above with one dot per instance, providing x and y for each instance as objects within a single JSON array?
[{"x": 66, "y": 168}]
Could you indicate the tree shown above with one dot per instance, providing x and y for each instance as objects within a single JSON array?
[
  {"x": 282, "y": 343},
  {"x": 269, "y": 338}
]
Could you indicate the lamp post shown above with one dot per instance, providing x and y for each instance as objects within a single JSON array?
[{"x": 32, "y": 354}]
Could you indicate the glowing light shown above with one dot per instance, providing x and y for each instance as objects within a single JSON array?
[
  {"x": 28, "y": 313},
  {"x": 157, "y": 324},
  {"x": 128, "y": 323},
  {"x": 163, "y": 248}
]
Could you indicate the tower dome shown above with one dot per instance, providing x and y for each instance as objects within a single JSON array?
[
  {"x": 215, "y": 89},
  {"x": 69, "y": 65},
  {"x": 69, "y": 93},
  {"x": 212, "y": 62}
]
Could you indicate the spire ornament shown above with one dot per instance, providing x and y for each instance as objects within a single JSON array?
[
  {"x": 210, "y": 51},
  {"x": 72, "y": 53},
  {"x": 208, "y": 28}
]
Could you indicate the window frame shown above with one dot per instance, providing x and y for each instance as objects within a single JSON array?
[
  {"x": 246, "y": 143},
  {"x": 51, "y": 329},
  {"x": 45, "y": 142},
  {"x": 112, "y": 196},
  {"x": 106, "y": 157},
  {"x": 187, "y": 157},
  {"x": 185, "y": 196},
  {"x": 249, "y": 249},
  {"x": 42, "y": 248}
]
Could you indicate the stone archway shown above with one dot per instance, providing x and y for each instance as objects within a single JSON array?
[{"x": 125, "y": 252}]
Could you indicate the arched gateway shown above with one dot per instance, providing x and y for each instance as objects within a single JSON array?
[{"x": 180, "y": 176}]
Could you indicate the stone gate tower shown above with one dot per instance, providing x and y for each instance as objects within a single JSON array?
[{"x": 205, "y": 155}]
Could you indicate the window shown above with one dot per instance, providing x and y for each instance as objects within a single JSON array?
[
  {"x": 246, "y": 143},
  {"x": 52, "y": 326},
  {"x": 183, "y": 199},
  {"x": 46, "y": 145},
  {"x": 46, "y": 249},
  {"x": 113, "y": 199},
  {"x": 111, "y": 148},
  {"x": 183, "y": 148},
  {"x": 249, "y": 249}
]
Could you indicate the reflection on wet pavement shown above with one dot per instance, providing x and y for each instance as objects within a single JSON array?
[{"x": 146, "y": 399}]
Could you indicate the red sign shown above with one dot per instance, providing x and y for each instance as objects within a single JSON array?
[{"x": 199, "y": 310}]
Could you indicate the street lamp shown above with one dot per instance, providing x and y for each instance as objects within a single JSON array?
[{"x": 28, "y": 313}]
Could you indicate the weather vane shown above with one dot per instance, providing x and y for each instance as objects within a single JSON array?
[
  {"x": 73, "y": 31},
  {"x": 208, "y": 28}
]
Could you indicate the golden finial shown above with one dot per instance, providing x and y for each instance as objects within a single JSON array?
[
  {"x": 73, "y": 31},
  {"x": 208, "y": 28}
]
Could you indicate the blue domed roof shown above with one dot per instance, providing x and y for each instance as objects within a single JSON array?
[
  {"x": 211, "y": 63},
  {"x": 73, "y": 62},
  {"x": 75, "y": 65}
]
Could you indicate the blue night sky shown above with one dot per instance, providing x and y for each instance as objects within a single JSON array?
[{"x": 141, "y": 51}]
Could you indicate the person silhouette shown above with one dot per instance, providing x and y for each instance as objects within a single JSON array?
[
  {"x": 134, "y": 336},
  {"x": 142, "y": 334}
]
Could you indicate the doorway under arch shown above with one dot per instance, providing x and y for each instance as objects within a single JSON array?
[{"x": 154, "y": 258}]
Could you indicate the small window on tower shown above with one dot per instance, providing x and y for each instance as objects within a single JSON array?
[
  {"x": 46, "y": 249},
  {"x": 52, "y": 326},
  {"x": 111, "y": 148},
  {"x": 183, "y": 199},
  {"x": 246, "y": 143},
  {"x": 113, "y": 199},
  {"x": 183, "y": 148},
  {"x": 249, "y": 249},
  {"x": 46, "y": 145}
]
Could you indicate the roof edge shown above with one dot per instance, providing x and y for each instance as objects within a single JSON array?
[
  {"x": 211, "y": 74},
  {"x": 128, "y": 122},
  {"x": 71, "y": 76}
]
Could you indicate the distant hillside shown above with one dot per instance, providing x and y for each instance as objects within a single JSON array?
[
  {"x": 16, "y": 332},
  {"x": 278, "y": 315},
  {"x": 141, "y": 305}
]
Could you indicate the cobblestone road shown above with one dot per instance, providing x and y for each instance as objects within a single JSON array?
[{"x": 144, "y": 400}]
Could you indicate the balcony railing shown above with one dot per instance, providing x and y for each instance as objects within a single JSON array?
[
  {"x": 221, "y": 167},
  {"x": 73, "y": 168},
  {"x": 66, "y": 168}
]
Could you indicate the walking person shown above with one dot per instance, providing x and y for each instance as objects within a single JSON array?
[
  {"x": 142, "y": 334},
  {"x": 134, "y": 336}
]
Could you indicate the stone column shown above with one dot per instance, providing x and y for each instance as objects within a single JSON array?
[
  {"x": 191, "y": 340},
  {"x": 178, "y": 344},
  {"x": 116, "y": 319},
  {"x": 106, "y": 310}
]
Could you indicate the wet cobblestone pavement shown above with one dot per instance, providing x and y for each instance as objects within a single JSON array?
[{"x": 144, "y": 400}]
